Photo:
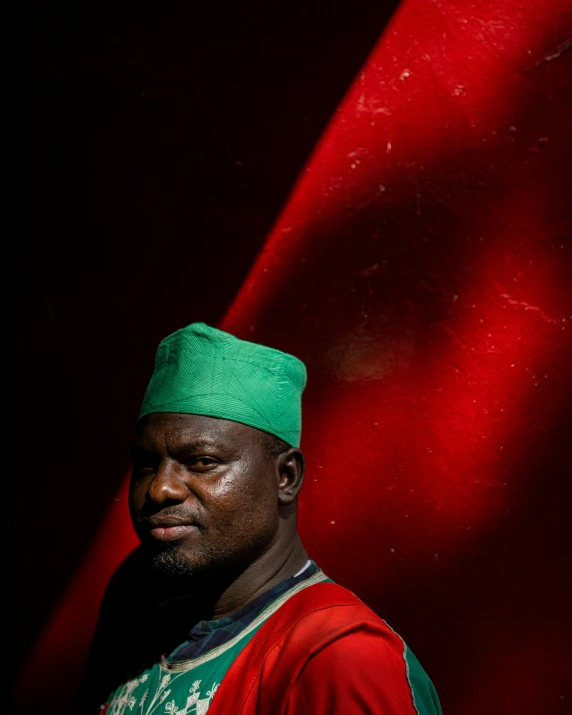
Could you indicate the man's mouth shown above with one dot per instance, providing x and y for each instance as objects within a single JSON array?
[
  {"x": 172, "y": 533},
  {"x": 169, "y": 528}
]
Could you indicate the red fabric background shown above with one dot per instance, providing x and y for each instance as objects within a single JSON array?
[{"x": 418, "y": 260}]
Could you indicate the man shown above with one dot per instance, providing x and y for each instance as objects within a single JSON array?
[{"x": 222, "y": 610}]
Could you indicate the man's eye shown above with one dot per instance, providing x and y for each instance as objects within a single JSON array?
[{"x": 203, "y": 463}]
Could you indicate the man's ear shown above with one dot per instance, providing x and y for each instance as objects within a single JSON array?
[{"x": 290, "y": 465}]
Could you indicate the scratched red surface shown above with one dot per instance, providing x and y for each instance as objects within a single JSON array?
[{"x": 421, "y": 268}]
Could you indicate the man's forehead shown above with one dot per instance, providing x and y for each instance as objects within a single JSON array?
[{"x": 179, "y": 428}]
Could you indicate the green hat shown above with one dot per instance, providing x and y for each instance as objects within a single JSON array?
[{"x": 201, "y": 370}]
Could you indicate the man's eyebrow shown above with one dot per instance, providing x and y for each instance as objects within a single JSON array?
[{"x": 198, "y": 445}]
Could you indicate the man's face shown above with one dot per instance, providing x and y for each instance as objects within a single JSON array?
[{"x": 203, "y": 493}]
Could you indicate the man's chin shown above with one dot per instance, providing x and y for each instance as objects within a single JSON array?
[{"x": 172, "y": 564}]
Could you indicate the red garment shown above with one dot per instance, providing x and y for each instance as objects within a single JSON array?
[{"x": 324, "y": 652}]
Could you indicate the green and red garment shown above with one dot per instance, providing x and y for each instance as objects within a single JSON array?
[{"x": 317, "y": 649}]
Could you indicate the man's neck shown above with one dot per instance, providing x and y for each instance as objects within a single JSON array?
[{"x": 273, "y": 567}]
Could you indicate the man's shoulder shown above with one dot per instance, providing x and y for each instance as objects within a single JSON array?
[
  {"x": 325, "y": 611},
  {"x": 322, "y": 642},
  {"x": 323, "y": 592}
]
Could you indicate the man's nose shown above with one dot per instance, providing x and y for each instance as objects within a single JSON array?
[{"x": 168, "y": 485}]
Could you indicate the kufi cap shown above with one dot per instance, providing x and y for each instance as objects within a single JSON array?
[{"x": 200, "y": 370}]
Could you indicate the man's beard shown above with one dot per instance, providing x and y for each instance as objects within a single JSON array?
[{"x": 171, "y": 563}]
